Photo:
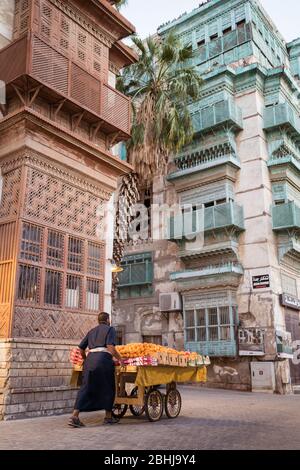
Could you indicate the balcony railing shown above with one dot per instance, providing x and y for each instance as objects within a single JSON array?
[
  {"x": 213, "y": 348},
  {"x": 229, "y": 215},
  {"x": 282, "y": 115},
  {"x": 32, "y": 57},
  {"x": 223, "y": 114},
  {"x": 286, "y": 216},
  {"x": 213, "y": 270},
  {"x": 223, "y": 44}
]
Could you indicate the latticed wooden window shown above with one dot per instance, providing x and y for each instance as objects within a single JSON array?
[
  {"x": 93, "y": 295},
  {"x": 201, "y": 324},
  {"x": 65, "y": 26},
  {"x": 28, "y": 288},
  {"x": 225, "y": 323},
  {"x": 212, "y": 324},
  {"x": 55, "y": 249},
  {"x": 53, "y": 288},
  {"x": 31, "y": 245},
  {"x": 137, "y": 278},
  {"x": 75, "y": 254},
  {"x": 138, "y": 269},
  {"x": 59, "y": 270},
  {"x": 73, "y": 291},
  {"x": 95, "y": 259},
  {"x": 190, "y": 325}
]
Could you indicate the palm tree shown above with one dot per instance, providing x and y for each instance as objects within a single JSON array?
[
  {"x": 121, "y": 3},
  {"x": 161, "y": 84}
]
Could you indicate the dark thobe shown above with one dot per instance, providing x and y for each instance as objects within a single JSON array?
[{"x": 98, "y": 382}]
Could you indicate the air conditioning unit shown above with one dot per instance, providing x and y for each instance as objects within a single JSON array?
[{"x": 170, "y": 302}]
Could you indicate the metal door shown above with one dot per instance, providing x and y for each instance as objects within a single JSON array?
[{"x": 293, "y": 326}]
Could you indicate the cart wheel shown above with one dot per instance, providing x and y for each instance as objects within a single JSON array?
[
  {"x": 154, "y": 405},
  {"x": 135, "y": 409},
  {"x": 119, "y": 411},
  {"x": 173, "y": 404}
]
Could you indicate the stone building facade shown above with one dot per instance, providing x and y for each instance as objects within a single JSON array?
[
  {"x": 239, "y": 287},
  {"x": 61, "y": 117}
]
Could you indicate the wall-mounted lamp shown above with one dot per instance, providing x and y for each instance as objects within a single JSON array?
[{"x": 115, "y": 268}]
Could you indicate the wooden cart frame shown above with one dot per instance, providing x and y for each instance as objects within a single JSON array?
[{"x": 148, "y": 400}]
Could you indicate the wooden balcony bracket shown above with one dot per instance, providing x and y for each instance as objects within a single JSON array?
[
  {"x": 35, "y": 92},
  {"x": 94, "y": 129},
  {"x": 111, "y": 139},
  {"x": 76, "y": 120},
  {"x": 19, "y": 92},
  {"x": 57, "y": 107}
]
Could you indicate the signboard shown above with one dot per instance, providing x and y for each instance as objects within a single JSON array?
[
  {"x": 251, "y": 342},
  {"x": 284, "y": 344},
  {"x": 290, "y": 301},
  {"x": 261, "y": 282}
]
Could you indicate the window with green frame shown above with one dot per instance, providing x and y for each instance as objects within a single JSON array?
[
  {"x": 137, "y": 278},
  {"x": 210, "y": 324}
]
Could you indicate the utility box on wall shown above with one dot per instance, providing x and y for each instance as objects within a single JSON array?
[{"x": 263, "y": 377}]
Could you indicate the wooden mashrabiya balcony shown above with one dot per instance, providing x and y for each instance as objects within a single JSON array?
[{"x": 59, "y": 79}]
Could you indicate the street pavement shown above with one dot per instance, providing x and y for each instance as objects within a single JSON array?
[{"x": 210, "y": 419}]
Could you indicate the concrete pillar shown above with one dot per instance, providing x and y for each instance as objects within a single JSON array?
[{"x": 109, "y": 231}]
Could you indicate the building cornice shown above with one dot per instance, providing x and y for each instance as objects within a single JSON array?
[
  {"x": 78, "y": 16},
  {"x": 34, "y": 159},
  {"x": 113, "y": 163}
]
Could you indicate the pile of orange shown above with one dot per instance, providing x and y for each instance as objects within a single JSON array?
[{"x": 133, "y": 350}]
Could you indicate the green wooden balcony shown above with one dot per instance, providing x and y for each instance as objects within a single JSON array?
[
  {"x": 208, "y": 271},
  {"x": 213, "y": 348},
  {"x": 286, "y": 216},
  {"x": 222, "y": 44},
  {"x": 220, "y": 217},
  {"x": 200, "y": 158},
  {"x": 223, "y": 114},
  {"x": 282, "y": 115}
]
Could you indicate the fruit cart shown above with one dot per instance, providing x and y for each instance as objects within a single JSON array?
[{"x": 145, "y": 397}]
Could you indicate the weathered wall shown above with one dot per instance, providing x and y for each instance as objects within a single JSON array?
[
  {"x": 7, "y": 8},
  {"x": 141, "y": 316},
  {"x": 38, "y": 378},
  {"x": 229, "y": 374},
  {"x": 5, "y": 357}
]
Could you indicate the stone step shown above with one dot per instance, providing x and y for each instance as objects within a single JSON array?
[{"x": 296, "y": 389}]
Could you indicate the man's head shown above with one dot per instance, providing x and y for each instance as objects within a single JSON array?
[{"x": 103, "y": 318}]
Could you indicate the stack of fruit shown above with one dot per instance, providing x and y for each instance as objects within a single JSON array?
[
  {"x": 154, "y": 354},
  {"x": 76, "y": 359}
]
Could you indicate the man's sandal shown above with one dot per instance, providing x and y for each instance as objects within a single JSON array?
[
  {"x": 75, "y": 423},
  {"x": 112, "y": 420}
]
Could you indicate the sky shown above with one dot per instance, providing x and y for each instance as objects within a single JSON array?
[{"x": 147, "y": 15}]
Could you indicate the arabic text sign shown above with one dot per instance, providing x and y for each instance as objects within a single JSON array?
[
  {"x": 261, "y": 282},
  {"x": 290, "y": 301}
]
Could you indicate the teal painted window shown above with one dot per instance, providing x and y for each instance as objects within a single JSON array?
[
  {"x": 211, "y": 330},
  {"x": 137, "y": 278}
]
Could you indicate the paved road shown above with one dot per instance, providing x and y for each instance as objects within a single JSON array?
[{"x": 210, "y": 419}]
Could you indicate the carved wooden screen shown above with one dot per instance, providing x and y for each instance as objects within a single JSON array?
[
  {"x": 7, "y": 257},
  {"x": 62, "y": 261},
  {"x": 13, "y": 61},
  {"x": 62, "y": 205},
  {"x": 60, "y": 28},
  {"x": 50, "y": 66},
  {"x": 22, "y": 17},
  {"x": 10, "y": 194},
  {"x": 115, "y": 108},
  {"x": 57, "y": 270},
  {"x": 85, "y": 89}
]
